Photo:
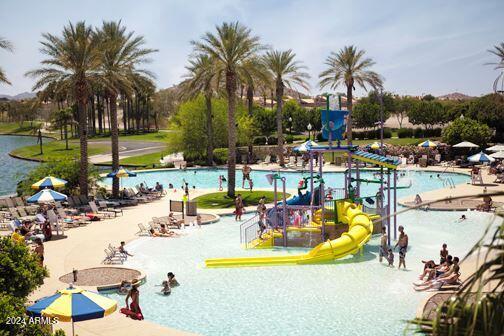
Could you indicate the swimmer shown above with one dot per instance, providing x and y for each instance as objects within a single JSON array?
[
  {"x": 166, "y": 290},
  {"x": 462, "y": 218}
]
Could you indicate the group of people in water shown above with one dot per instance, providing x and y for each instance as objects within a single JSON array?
[
  {"x": 387, "y": 252},
  {"x": 434, "y": 276}
]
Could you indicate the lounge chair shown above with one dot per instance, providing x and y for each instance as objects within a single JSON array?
[
  {"x": 102, "y": 206},
  {"x": 143, "y": 230},
  {"x": 95, "y": 211},
  {"x": 149, "y": 196},
  {"x": 267, "y": 159},
  {"x": 72, "y": 220},
  {"x": 24, "y": 214},
  {"x": 112, "y": 258},
  {"x": 56, "y": 225},
  {"x": 132, "y": 194},
  {"x": 10, "y": 203}
]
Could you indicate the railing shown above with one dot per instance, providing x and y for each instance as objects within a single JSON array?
[
  {"x": 245, "y": 229},
  {"x": 448, "y": 182},
  {"x": 337, "y": 193}
]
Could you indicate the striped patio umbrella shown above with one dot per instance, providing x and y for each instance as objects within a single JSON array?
[
  {"x": 427, "y": 144},
  {"x": 498, "y": 155},
  {"x": 47, "y": 196},
  {"x": 375, "y": 145},
  {"x": 481, "y": 157},
  {"x": 73, "y": 305},
  {"x": 122, "y": 172},
  {"x": 49, "y": 182}
]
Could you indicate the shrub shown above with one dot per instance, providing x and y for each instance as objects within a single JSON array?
[
  {"x": 418, "y": 133},
  {"x": 191, "y": 156},
  {"x": 405, "y": 133},
  {"x": 466, "y": 130},
  {"x": 220, "y": 155},
  {"x": 272, "y": 140},
  {"x": 259, "y": 141},
  {"x": 289, "y": 139}
]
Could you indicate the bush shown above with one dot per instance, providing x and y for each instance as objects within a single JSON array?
[
  {"x": 272, "y": 140},
  {"x": 259, "y": 141},
  {"x": 220, "y": 155},
  {"x": 418, "y": 133},
  {"x": 405, "y": 133},
  {"x": 289, "y": 139},
  {"x": 192, "y": 157}
]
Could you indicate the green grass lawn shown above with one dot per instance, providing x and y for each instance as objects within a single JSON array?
[
  {"x": 144, "y": 160},
  {"x": 55, "y": 151},
  {"x": 220, "y": 200},
  {"x": 161, "y": 136},
  {"x": 27, "y": 128}
]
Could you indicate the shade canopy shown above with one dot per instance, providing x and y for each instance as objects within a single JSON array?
[
  {"x": 498, "y": 155},
  {"x": 304, "y": 147},
  {"x": 427, "y": 144},
  {"x": 121, "y": 172},
  {"x": 481, "y": 157},
  {"x": 375, "y": 145},
  {"x": 49, "y": 182},
  {"x": 466, "y": 144},
  {"x": 496, "y": 148},
  {"x": 47, "y": 196}
]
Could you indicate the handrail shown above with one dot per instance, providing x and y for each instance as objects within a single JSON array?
[{"x": 245, "y": 225}]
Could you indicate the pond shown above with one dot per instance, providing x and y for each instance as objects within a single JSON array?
[{"x": 13, "y": 170}]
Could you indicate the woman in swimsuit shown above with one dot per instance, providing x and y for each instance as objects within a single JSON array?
[{"x": 134, "y": 294}]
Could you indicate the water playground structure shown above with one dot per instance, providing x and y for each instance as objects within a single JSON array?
[{"x": 334, "y": 222}]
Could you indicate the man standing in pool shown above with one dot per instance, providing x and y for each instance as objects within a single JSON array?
[
  {"x": 403, "y": 246},
  {"x": 383, "y": 244},
  {"x": 246, "y": 175}
]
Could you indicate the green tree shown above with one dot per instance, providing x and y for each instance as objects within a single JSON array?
[
  {"x": 348, "y": 67},
  {"x": 6, "y": 45},
  {"x": 428, "y": 97},
  {"x": 366, "y": 115},
  {"x": 265, "y": 119},
  {"x": 73, "y": 59},
  {"x": 121, "y": 52},
  {"x": 61, "y": 119},
  {"x": 232, "y": 46},
  {"x": 499, "y": 65},
  {"x": 489, "y": 110},
  {"x": 466, "y": 129},
  {"x": 427, "y": 113},
  {"x": 285, "y": 71},
  {"x": 404, "y": 105},
  {"x": 202, "y": 78}
]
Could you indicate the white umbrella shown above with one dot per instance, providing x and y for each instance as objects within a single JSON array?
[
  {"x": 305, "y": 146},
  {"x": 481, "y": 157},
  {"x": 498, "y": 155},
  {"x": 496, "y": 148},
  {"x": 466, "y": 144}
]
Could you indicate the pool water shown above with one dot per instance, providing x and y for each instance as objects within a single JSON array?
[
  {"x": 208, "y": 178},
  {"x": 353, "y": 296}
]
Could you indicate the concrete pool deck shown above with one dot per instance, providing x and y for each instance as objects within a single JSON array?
[{"x": 83, "y": 247}]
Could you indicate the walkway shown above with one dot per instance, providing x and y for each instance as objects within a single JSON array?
[{"x": 128, "y": 149}]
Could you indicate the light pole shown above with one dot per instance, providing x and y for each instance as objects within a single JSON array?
[
  {"x": 290, "y": 124},
  {"x": 309, "y": 128}
]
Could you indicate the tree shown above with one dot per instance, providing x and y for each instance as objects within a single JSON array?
[
  {"x": 366, "y": 115},
  {"x": 285, "y": 71},
  {"x": 120, "y": 53},
  {"x": 73, "y": 59},
  {"x": 61, "y": 119},
  {"x": 404, "y": 105},
  {"x": 427, "y": 113},
  {"x": 466, "y": 129},
  {"x": 231, "y": 46},
  {"x": 4, "y": 44},
  {"x": 428, "y": 97},
  {"x": 489, "y": 110},
  {"x": 348, "y": 67},
  {"x": 202, "y": 78},
  {"x": 499, "y": 65}
]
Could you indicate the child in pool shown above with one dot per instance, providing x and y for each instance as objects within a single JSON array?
[
  {"x": 166, "y": 290},
  {"x": 390, "y": 258}
]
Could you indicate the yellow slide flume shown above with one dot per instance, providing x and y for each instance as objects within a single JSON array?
[{"x": 360, "y": 228}]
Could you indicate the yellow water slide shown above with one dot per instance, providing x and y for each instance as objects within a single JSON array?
[{"x": 360, "y": 228}]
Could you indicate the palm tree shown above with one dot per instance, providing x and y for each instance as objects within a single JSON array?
[
  {"x": 202, "y": 78},
  {"x": 499, "y": 52},
  {"x": 72, "y": 59},
  {"x": 285, "y": 72},
  {"x": 349, "y": 67},
  {"x": 231, "y": 47},
  {"x": 4, "y": 44},
  {"x": 121, "y": 52}
]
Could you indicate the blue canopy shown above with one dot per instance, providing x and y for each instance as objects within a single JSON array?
[
  {"x": 481, "y": 157},
  {"x": 47, "y": 196}
]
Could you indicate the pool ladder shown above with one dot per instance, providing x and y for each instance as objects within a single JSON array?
[{"x": 448, "y": 182}]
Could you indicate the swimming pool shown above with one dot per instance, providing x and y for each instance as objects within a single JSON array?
[
  {"x": 353, "y": 296},
  {"x": 208, "y": 178}
]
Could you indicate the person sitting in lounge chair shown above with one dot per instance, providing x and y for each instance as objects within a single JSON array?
[
  {"x": 418, "y": 199},
  {"x": 487, "y": 204},
  {"x": 174, "y": 221}
]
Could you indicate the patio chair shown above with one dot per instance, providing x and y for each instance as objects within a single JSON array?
[
  {"x": 117, "y": 252},
  {"x": 132, "y": 194},
  {"x": 3, "y": 203},
  {"x": 267, "y": 159},
  {"x": 143, "y": 230},
  {"x": 102, "y": 205},
  {"x": 56, "y": 225},
  {"x": 24, "y": 214},
  {"x": 95, "y": 211},
  {"x": 111, "y": 258},
  {"x": 10, "y": 203}
]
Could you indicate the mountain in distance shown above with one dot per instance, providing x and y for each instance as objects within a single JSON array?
[{"x": 20, "y": 96}]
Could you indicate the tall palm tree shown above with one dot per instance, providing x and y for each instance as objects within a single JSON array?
[
  {"x": 4, "y": 44},
  {"x": 499, "y": 52},
  {"x": 72, "y": 59},
  {"x": 121, "y": 52},
  {"x": 231, "y": 46},
  {"x": 349, "y": 67},
  {"x": 285, "y": 72},
  {"x": 202, "y": 78}
]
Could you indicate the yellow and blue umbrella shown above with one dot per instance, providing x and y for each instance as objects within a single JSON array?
[
  {"x": 122, "y": 172},
  {"x": 49, "y": 182},
  {"x": 73, "y": 305},
  {"x": 375, "y": 145},
  {"x": 47, "y": 196},
  {"x": 481, "y": 158},
  {"x": 427, "y": 144}
]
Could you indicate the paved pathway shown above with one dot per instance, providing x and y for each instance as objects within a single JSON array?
[{"x": 128, "y": 149}]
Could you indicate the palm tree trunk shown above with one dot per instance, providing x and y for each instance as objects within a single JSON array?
[
  {"x": 209, "y": 128},
  {"x": 83, "y": 134},
  {"x": 100, "y": 114},
  {"x": 114, "y": 137},
  {"x": 279, "y": 95},
  {"x": 349, "y": 108},
  {"x": 231, "y": 95},
  {"x": 124, "y": 115}
]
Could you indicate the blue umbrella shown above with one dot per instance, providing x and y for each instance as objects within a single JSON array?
[
  {"x": 122, "y": 172},
  {"x": 481, "y": 157},
  {"x": 47, "y": 196}
]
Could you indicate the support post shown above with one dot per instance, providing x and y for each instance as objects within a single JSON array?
[
  {"x": 395, "y": 205},
  {"x": 357, "y": 175},
  {"x": 284, "y": 217},
  {"x": 322, "y": 196},
  {"x": 275, "y": 203},
  {"x": 388, "y": 202}
]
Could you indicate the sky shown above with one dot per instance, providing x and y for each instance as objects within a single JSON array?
[{"x": 419, "y": 47}]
